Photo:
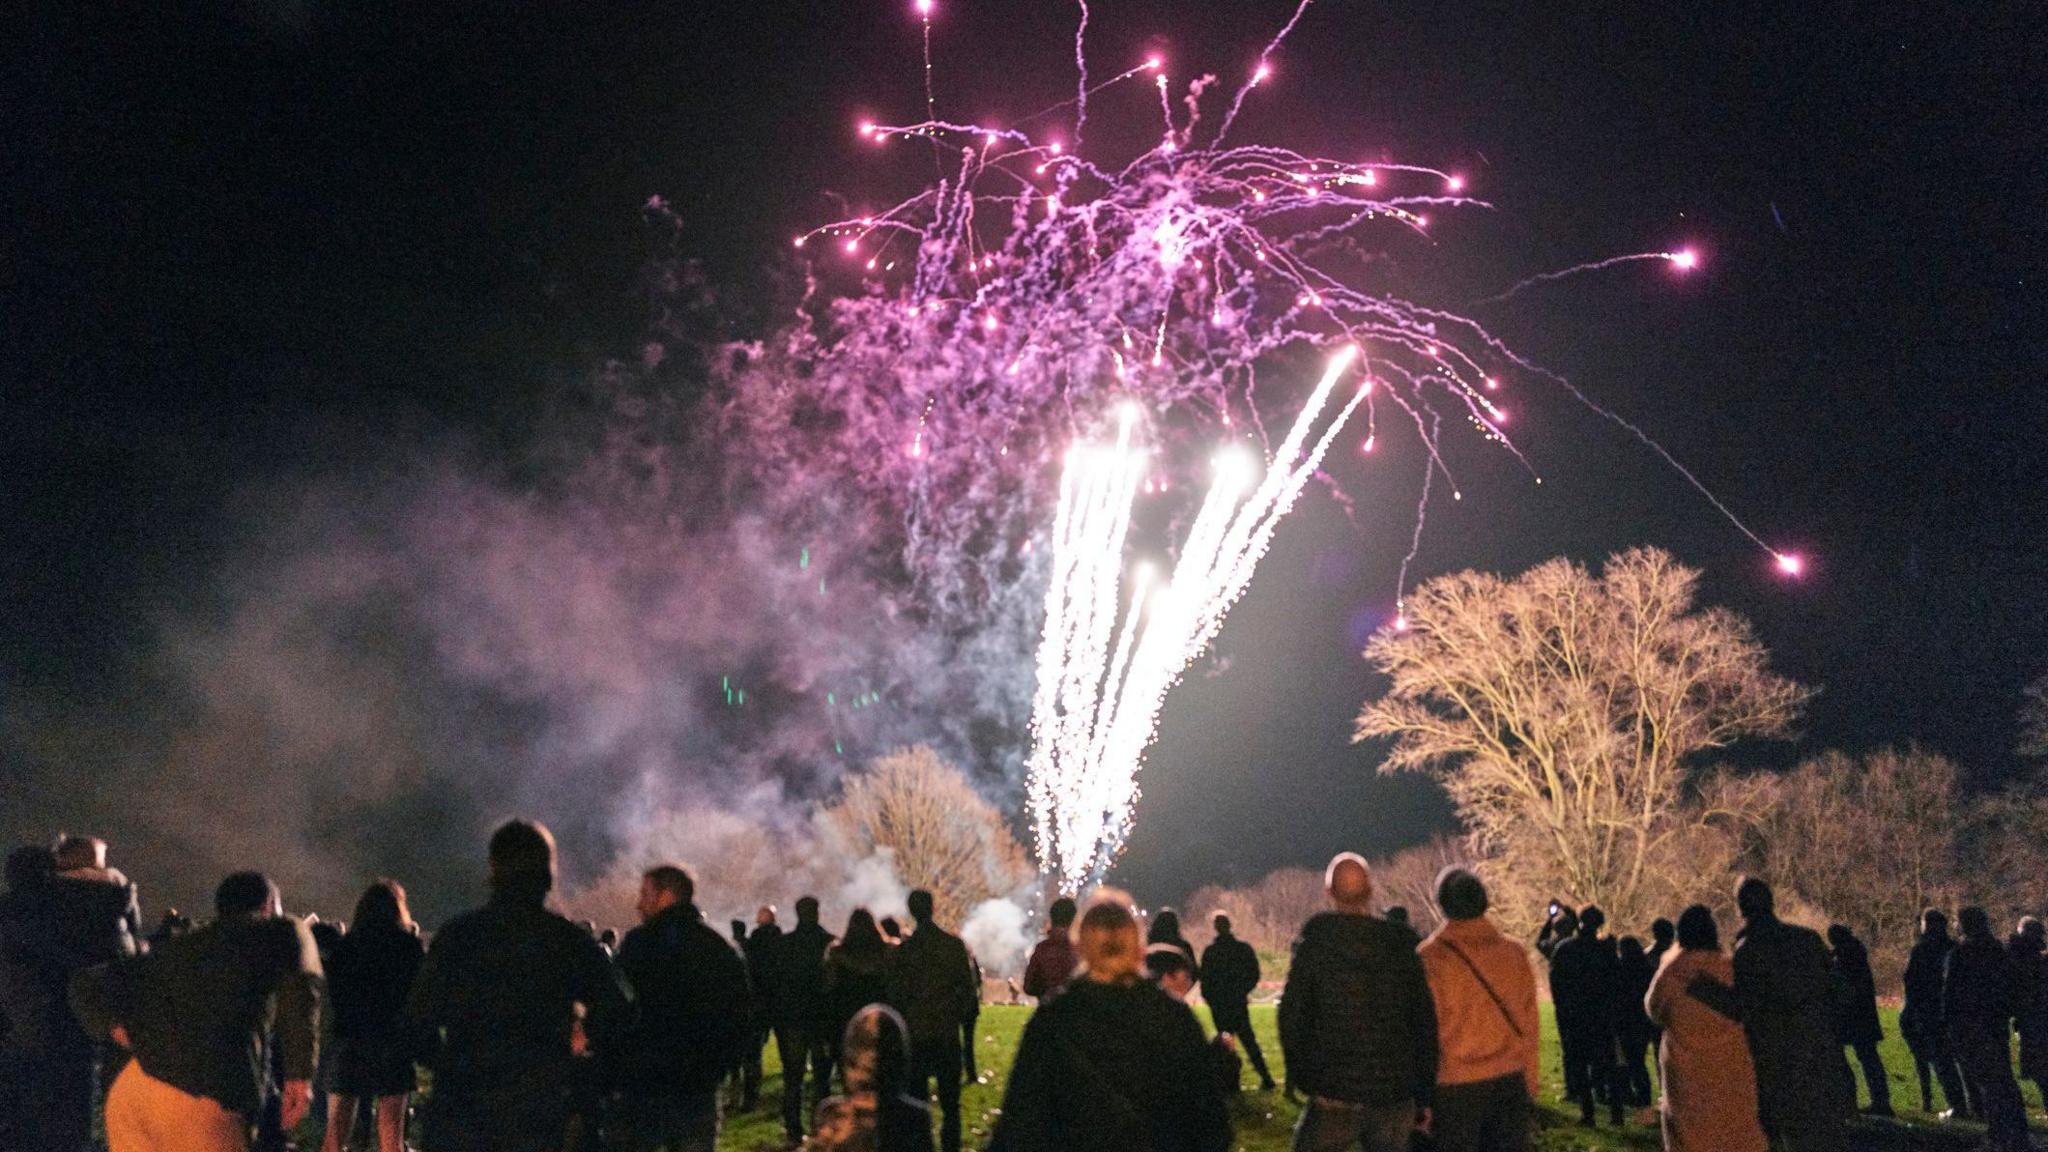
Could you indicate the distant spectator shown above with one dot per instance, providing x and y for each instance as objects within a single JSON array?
[
  {"x": 1584, "y": 986},
  {"x": 1703, "y": 1061},
  {"x": 1357, "y": 1025},
  {"x": 198, "y": 1016},
  {"x": 1978, "y": 1003},
  {"x": 1113, "y": 1064},
  {"x": 690, "y": 992},
  {"x": 892, "y": 931},
  {"x": 608, "y": 939},
  {"x": 1053, "y": 959},
  {"x": 1634, "y": 1034},
  {"x": 89, "y": 917},
  {"x": 759, "y": 950},
  {"x": 1560, "y": 924},
  {"x": 1784, "y": 985},
  {"x": 1165, "y": 929},
  {"x": 1487, "y": 1024},
  {"x": 877, "y": 1112},
  {"x": 1856, "y": 1024},
  {"x": 1169, "y": 971},
  {"x": 45, "y": 1058},
  {"x": 370, "y": 970},
  {"x": 1397, "y": 915},
  {"x": 1230, "y": 974},
  {"x": 498, "y": 999},
  {"x": 2029, "y": 947},
  {"x": 1920, "y": 1020},
  {"x": 1662, "y": 936},
  {"x": 932, "y": 984},
  {"x": 171, "y": 925},
  {"x": 856, "y": 975},
  {"x": 796, "y": 1004}
]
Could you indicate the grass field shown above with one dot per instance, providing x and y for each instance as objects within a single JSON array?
[{"x": 1266, "y": 1120}]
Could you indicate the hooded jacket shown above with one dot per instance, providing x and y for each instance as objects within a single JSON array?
[{"x": 1357, "y": 1023}]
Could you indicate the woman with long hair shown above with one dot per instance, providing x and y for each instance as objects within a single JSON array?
[
  {"x": 371, "y": 971},
  {"x": 856, "y": 975}
]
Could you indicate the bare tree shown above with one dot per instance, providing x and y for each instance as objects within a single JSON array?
[
  {"x": 1408, "y": 877},
  {"x": 2034, "y": 719},
  {"x": 1562, "y": 710},
  {"x": 942, "y": 834},
  {"x": 1268, "y": 915}
]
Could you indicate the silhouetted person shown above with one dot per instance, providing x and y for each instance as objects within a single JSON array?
[
  {"x": 1784, "y": 985},
  {"x": 1168, "y": 970},
  {"x": 759, "y": 950},
  {"x": 1560, "y": 924},
  {"x": 1977, "y": 1006},
  {"x": 1165, "y": 929},
  {"x": 198, "y": 1017},
  {"x": 892, "y": 931},
  {"x": 1634, "y": 1034},
  {"x": 171, "y": 925},
  {"x": 370, "y": 971},
  {"x": 1920, "y": 1021},
  {"x": 1486, "y": 1020},
  {"x": 1230, "y": 974},
  {"x": 797, "y": 1007},
  {"x": 1053, "y": 958},
  {"x": 84, "y": 858},
  {"x": 1397, "y": 915},
  {"x": 2029, "y": 948},
  {"x": 856, "y": 975},
  {"x": 1856, "y": 1023},
  {"x": 877, "y": 1112},
  {"x": 497, "y": 1001},
  {"x": 45, "y": 1070},
  {"x": 1585, "y": 985},
  {"x": 92, "y": 919},
  {"x": 1357, "y": 1026},
  {"x": 1703, "y": 1060},
  {"x": 1663, "y": 934},
  {"x": 1112, "y": 1064},
  {"x": 690, "y": 990},
  {"x": 931, "y": 982}
]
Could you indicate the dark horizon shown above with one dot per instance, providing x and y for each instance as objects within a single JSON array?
[{"x": 270, "y": 254}]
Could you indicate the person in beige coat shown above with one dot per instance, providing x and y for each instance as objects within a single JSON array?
[{"x": 1703, "y": 1060}]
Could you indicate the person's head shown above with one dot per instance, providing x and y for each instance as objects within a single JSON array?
[
  {"x": 876, "y": 1052},
  {"x": 246, "y": 896},
  {"x": 522, "y": 855},
  {"x": 2032, "y": 931},
  {"x": 891, "y": 930},
  {"x": 382, "y": 907},
  {"x": 1349, "y": 883},
  {"x": 1165, "y": 926},
  {"x": 1062, "y": 913},
  {"x": 1460, "y": 894},
  {"x": 863, "y": 937},
  {"x": 764, "y": 915},
  {"x": 1220, "y": 923},
  {"x": 1630, "y": 949},
  {"x": 663, "y": 887},
  {"x": 1754, "y": 899},
  {"x": 1661, "y": 932},
  {"x": 29, "y": 866},
  {"x": 1108, "y": 940},
  {"x": 1839, "y": 936},
  {"x": 609, "y": 938},
  {"x": 1398, "y": 914},
  {"x": 1168, "y": 967},
  {"x": 1975, "y": 923},
  {"x": 75, "y": 852},
  {"x": 1565, "y": 921},
  {"x": 1934, "y": 922},
  {"x": 739, "y": 928},
  {"x": 1697, "y": 931},
  {"x": 1591, "y": 920},
  {"x": 920, "y": 905},
  {"x": 807, "y": 909}
]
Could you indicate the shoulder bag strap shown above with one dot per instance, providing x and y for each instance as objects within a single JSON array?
[{"x": 1483, "y": 983}]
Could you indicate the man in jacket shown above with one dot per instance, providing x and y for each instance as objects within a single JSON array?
[
  {"x": 759, "y": 951},
  {"x": 1357, "y": 1026},
  {"x": 931, "y": 982},
  {"x": 2029, "y": 948},
  {"x": 798, "y": 1011},
  {"x": 1487, "y": 1026},
  {"x": 1053, "y": 960},
  {"x": 1584, "y": 979},
  {"x": 1230, "y": 974},
  {"x": 497, "y": 1001},
  {"x": 1920, "y": 1020},
  {"x": 45, "y": 1084},
  {"x": 198, "y": 1015},
  {"x": 1856, "y": 1024},
  {"x": 1977, "y": 1007},
  {"x": 1784, "y": 987},
  {"x": 690, "y": 988}
]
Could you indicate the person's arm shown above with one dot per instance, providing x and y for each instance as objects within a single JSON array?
[
  {"x": 1035, "y": 981},
  {"x": 1297, "y": 1008},
  {"x": 299, "y": 986}
]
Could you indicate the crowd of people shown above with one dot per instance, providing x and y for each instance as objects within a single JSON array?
[{"x": 541, "y": 1033}]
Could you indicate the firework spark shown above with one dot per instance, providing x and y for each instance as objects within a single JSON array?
[{"x": 1100, "y": 682}]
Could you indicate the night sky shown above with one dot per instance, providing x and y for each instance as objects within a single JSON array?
[{"x": 249, "y": 239}]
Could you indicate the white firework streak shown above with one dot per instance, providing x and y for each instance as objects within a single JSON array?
[{"x": 1101, "y": 685}]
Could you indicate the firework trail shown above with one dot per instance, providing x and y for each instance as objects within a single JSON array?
[
  {"x": 1100, "y": 683},
  {"x": 1685, "y": 260}
]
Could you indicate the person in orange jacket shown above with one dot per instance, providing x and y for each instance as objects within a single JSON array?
[{"x": 1487, "y": 1027}]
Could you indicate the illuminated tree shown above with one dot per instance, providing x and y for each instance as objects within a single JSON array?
[
  {"x": 1563, "y": 711},
  {"x": 940, "y": 832}
]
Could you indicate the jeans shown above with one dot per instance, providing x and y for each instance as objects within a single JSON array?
[
  {"x": 1932, "y": 1058},
  {"x": 1986, "y": 1056},
  {"x": 1336, "y": 1125},
  {"x": 1486, "y": 1116},
  {"x": 1874, "y": 1077},
  {"x": 939, "y": 1059},
  {"x": 799, "y": 1044},
  {"x": 1236, "y": 1018},
  {"x": 666, "y": 1124},
  {"x": 1591, "y": 1074}
]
